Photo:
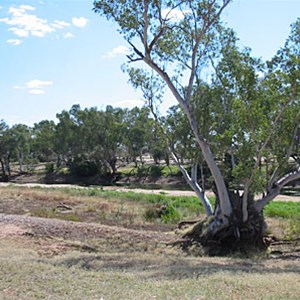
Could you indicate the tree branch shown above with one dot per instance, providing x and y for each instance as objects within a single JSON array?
[
  {"x": 275, "y": 191},
  {"x": 139, "y": 53},
  {"x": 258, "y": 158},
  {"x": 194, "y": 185}
]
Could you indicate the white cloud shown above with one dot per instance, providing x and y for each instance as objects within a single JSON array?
[
  {"x": 35, "y": 86},
  {"x": 174, "y": 14},
  {"x": 36, "y": 92},
  {"x": 27, "y": 7},
  {"x": 79, "y": 22},
  {"x": 14, "y": 42},
  {"x": 68, "y": 35},
  {"x": 38, "y": 84},
  {"x": 60, "y": 24},
  {"x": 23, "y": 23},
  {"x": 120, "y": 50},
  {"x": 19, "y": 32}
]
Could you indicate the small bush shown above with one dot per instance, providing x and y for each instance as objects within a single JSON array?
[
  {"x": 49, "y": 167},
  {"x": 150, "y": 214},
  {"x": 83, "y": 167},
  {"x": 169, "y": 171},
  {"x": 141, "y": 172},
  {"x": 170, "y": 215},
  {"x": 63, "y": 171},
  {"x": 155, "y": 171}
]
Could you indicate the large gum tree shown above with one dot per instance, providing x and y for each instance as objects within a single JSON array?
[{"x": 246, "y": 110}]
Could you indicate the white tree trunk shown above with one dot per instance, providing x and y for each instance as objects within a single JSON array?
[
  {"x": 275, "y": 190},
  {"x": 195, "y": 186},
  {"x": 225, "y": 204}
]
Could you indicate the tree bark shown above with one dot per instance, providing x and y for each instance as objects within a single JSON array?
[
  {"x": 225, "y": 203},
  {"x": 276, "y": 188},
  {"x": 194, "y": 185},
  {"x": 3, "y": 168}
]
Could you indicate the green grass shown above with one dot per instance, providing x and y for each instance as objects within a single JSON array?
[
  {"x": 171, "y": 171},
  {"x": 281, "y": 209},
  {"x": 153, "y": 170},
  {"x": 186, "y": 206}
]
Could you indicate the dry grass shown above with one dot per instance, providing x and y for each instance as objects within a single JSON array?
[
  {"x": 26, "y": 273},
  {"x": 48, "y": 203},
  {"x": 52, "y": 259}
]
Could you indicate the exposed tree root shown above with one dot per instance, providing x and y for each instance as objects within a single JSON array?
[{"x": 217, "y": 238}]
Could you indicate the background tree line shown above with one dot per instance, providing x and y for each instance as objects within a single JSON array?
[{"x": 88, "y": 141}]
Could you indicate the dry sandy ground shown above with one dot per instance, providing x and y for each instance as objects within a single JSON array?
[
  {"x": 54, "y": 232},
  {"x": 68, "y": 230},
  {"x": 138, "y": 190}
]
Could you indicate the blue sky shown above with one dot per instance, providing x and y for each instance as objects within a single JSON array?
[{"x": 56, "y": 53}]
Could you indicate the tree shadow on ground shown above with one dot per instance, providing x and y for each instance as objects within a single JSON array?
[{"x": 174, "y": 268}]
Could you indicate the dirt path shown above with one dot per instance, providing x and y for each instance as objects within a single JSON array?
[{"x": 138, "y": 190}]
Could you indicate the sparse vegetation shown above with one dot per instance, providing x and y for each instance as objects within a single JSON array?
[
  {"x": 80, "y": 261},
  {"x": 293, "y": 230},
  {"x": 53, "y": 213},
  {"x": 25, "y": 274}
]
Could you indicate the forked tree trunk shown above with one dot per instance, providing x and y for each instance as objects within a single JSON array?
[
  {"x": 225, "y": 205},
  {"x": 236, "y": 236}
]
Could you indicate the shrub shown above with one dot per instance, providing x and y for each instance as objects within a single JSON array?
[
  {"x": 49, "y": 167},
  {"x": 170, "y": 215},
  {"x": 83, "y": 167},
  {"x": 150, "y": 214},
  {"x": 155, "y": 171}
]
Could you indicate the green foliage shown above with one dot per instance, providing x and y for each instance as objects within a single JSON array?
[
  {"x": 170, "y": 215},
  {"x": 49, "y": 168},
  {"x": 155, "y": 171},
  {"x": 43, "y": 140},
  {"x": 63, "y": 171},
  {"x": 83, "y": 167}
]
